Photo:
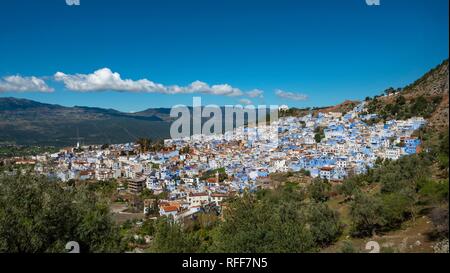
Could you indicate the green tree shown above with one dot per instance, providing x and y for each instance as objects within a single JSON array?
[
  {"x": 144, "y": 144},
  {"x": 396, "y": 208},
  {"x": 38, "y": 215},
  {"x": 170, "y": 238},
  {"x": 258, "y": 226},
  {"x": 366, "y": 215},
  {"x": 390, "y": 90},
  {"x": 432, "y": 191},
  {"x": 351, "y": 186},
  {"x": 319, "y": 134},
  {"x": 380, "y": 212},
  {"x": 400, "y": 100},
  {"x": 319, "y": 190},
  {"x": 347, "y": 247},
  {"x": 324, "y": 224}
]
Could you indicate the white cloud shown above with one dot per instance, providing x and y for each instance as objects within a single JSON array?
[
  {"x": 106, "y": 80},
  {"x": 201, "y": 87},
  {"x": 255, "y": 93},
  {"x": 290, "y": 95},
  {"x": 23, "y": 84},
  {"x": 245, "y": 101}
]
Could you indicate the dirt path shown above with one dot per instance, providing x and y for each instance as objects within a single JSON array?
[{"x": 411, "y": 238}]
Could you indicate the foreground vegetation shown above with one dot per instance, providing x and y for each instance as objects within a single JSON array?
[
  {"x": 397, "y": 191},
  {"x": 282, "y": 220},
  {"x": 38, "y": 215}
]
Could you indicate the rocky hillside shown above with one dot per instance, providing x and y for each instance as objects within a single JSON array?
[
  {"x": 427, "y": 97},
  {"x": 435, "y": 83},
  {"x": 344, "y": 107}
]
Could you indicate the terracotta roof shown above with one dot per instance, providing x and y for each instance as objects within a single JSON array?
[
  {"x": 211, "y": 180},
  {"x": 169, "y": 208},
  {"x": 86, "y": 172},
  {"x": 198, "y": 194},
  {"x": 219, "y": 195}
]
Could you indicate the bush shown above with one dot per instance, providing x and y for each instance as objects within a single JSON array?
[
  {"x": 319, "y": 190},
  {"x": 382, "y": 212},
  {"x": 350, "y": 186},
  {"x": 170, "y": 238},
  {"x": 254, "y": 226},
  {"x": 432, "y": 191},
  {"x": 366, "y": 214},
  {"x": 325, "y": 224},
  {"x": 396, "y": 209},
  {"x": 38, "y": 215},
  {"x": 347, "y": 247},
  {"x": 280, "y": 220}
]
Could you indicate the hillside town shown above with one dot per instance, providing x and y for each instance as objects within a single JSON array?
[{"x": 199, "y": 172}]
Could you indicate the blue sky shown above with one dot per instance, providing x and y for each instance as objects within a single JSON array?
[{"x": 317, "y": 52}]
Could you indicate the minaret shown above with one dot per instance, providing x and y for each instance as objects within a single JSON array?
[
  {"x": 78, "y": 138},
  {"x": 217, "y": 177}
]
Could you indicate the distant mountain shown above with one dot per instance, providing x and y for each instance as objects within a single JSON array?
[
  {"x": 14, "y": 104},
  {"x": 161, "y": 113},
  {"x": 27, "y": 122}
]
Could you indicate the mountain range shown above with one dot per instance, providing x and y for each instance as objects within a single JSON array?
[{"x": 27, "y": 122}]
